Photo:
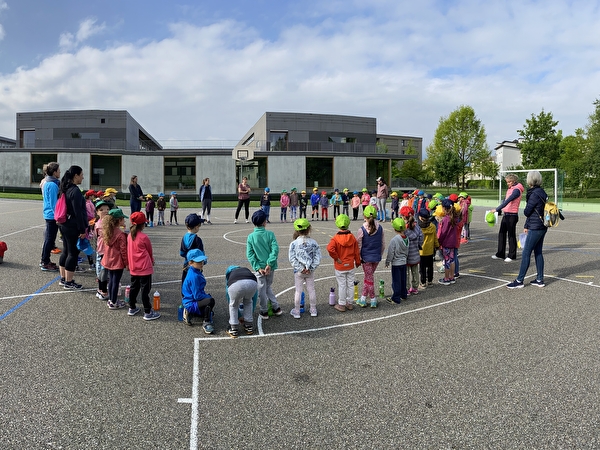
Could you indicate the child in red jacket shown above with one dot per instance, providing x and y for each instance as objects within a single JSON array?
[
  {"x": 141, "y": 262},
  {"x": 115, "y": 254}
]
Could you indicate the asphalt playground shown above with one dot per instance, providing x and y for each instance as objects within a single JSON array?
[{"x": 467, "y": 366}]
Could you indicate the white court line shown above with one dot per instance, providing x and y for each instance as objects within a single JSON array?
[{"x": 22, "y": 231}]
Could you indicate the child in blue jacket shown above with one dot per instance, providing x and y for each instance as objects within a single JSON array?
[{"x": 195, "y": 300}]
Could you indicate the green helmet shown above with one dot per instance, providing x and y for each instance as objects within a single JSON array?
[
  {"x": 301, "y": 224},
  {"x": 342, "y": 221},
  {"x": 370, "y": 211},
  {"x": 463, "y": 194},
  {"x": 399, "y": 224},
  {"x": 433, "y": 204}
]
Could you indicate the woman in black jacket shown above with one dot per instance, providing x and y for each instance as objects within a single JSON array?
[
  {"x": 135, "y": 195},
  {"x": 75, "y": 226},
  {"x": 536, "y": 231}
]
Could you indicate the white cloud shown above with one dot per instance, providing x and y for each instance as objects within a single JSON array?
[
  {"x": 87, "y": 28},
  {"x": 405, "y": 65}
]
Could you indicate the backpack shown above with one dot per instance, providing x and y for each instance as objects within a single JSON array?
[
  {"x": 551, "y": 214},
  {"x": 60, "y": 210}
]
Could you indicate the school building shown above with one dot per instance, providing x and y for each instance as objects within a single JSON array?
[{"x": 281, "y": 151}]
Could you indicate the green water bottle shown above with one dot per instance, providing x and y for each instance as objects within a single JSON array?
[
  {"x": 381, "y": 289},
  {"x": 270, "y": 309}
]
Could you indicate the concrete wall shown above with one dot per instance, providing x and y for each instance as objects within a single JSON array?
[
  {"x": 221, "y": 171},
  {"x": 82, "y": 160},
  {"x": 15, "y": 168},
  {"x": 149, "y": 169},
  {"x": 286, "y": 172},
  {"x": 349, "y": 172}
]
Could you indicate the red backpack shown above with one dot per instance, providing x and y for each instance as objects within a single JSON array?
[{"x": 60, "y": 210}]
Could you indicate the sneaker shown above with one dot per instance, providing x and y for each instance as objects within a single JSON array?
[
  {"x": 277, "y": 312},
  {"x": 422, "y": 286},
  {"x": 390, "y": 300},
  {"x": 102, "y": 295},
  {"x": 452, "y": 280},
  {"x": 71, "y": 285},
  {"x": 444, "y": 281},
  {"x": 413, "y": 291},
  {"x": 152, "y": 315},
  {"x": 313, "y": 312},
  {"x": 248, "y": 328},
  {"x": 119, "y": 305},
  {"x": 232, "y": 332},
  {"x": 349, "y": 306},
  {"x": 340, "y": 308},
  {"x": 247, "y": 221},
  {"x": 429, "y": 283},
  {"x": 457, "y": 275},
  {"x": 61, "y": 282},
  {"x": 373, "y": 303},
  {"x": 207, "y": 327},
  {"x": 537, "y": 283},
  {"x": 508, "y": 260},
  {"x": 295, "y": 313},
  {"x": 495, "y": 257},
  {"x": 235, "y": 221},
  {"x": 515, "y": 284},
  {"x": 133, "y": 311},
  {"x": 79, "y": 269},
  {"x": 264, "y": 315},
  {"x": 186, "y": 317},
  {"x": 56, "y": 251},
  {"x": 362, "y": 302},
  {"x": 50, "y": 267}
]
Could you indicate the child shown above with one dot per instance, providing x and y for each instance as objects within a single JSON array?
[
  {"x": 465, "y": 205},
  {"x": 397, "y": 256},
  {"x": 265, "y": 202},
  {"x": 115, "y": 254},
  {"x": 371, "y": 245},
  {"x": 343, "y": 249},
  {"x": 294, "y": 202},
  {"x": 336, "y": 201},
  {"x": 365, "y": 198},
  {"x": 240, "y": 288},
  {"x": 190, "y": 240},
  {"x": 161, "y": 205},
  {"x": 262, "y": 251},
  {"x": 324, "y": 202},
  {"x": 373, "y": 200},
  {"x": 91, "y": 216},
  {"x": 355, "y": 203},
  {"x": 101, "y": 273},
  {"x": 303, "y": 204},
  {"x": 110, "y": 197},
  {"x": 447, "y": 239},
  {"x": 314, "y": 202},
  {"x": 141, "y": 262},
  {"x": 415, "y": 238},
  {"x": 395, "y": 205},
  {"x": 196, "y": 302},
  {"x": 150, "y": 210},
  {"x": 430, "y": 245},
  {"x": 284, "y": 202},
  {"x": 174, "y": 205},
  {"x": 305, "y": 257},
  {"x": 345, "y": 201}
]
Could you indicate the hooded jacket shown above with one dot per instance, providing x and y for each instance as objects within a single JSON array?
[
  {"x": 115, "y": 251},
  {"x": 344, "y": 246}
]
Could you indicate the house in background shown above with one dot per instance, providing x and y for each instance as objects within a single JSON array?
[{"x": 508, "y": 154}]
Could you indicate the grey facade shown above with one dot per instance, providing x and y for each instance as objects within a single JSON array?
[{"x": 287, "y": 150}]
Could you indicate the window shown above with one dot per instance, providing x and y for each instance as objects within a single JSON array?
[
  {"x": 279, "y": 141},
  {"x": 255, "y": 170},
  {"x": 319, "y": 172},
  {"x": 102, "y": 120},
  {"x": 27, "y": 138},
  {"x": 106, "y": 171},
  {"x": 342, "y": 140},
  {"x": 249, "y": 140},
  {"x": 37, "y": 165},
  {"x": 377, "y": 168},
  {"x": 180, "y": 174}
]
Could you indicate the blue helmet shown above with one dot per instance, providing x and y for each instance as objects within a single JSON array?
[{"x": 267, "y": 189}]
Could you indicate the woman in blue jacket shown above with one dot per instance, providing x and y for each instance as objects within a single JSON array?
[{"x": 536, "y": 230}]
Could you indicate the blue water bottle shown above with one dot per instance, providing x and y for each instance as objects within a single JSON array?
[
  {"x": 180, "y": 313},
  {"x": 302, "y": 303}
]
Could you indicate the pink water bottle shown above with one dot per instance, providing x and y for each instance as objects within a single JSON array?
[{"x": 332, "y": 297}]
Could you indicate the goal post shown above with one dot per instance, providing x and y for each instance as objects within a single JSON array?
[{"x": 552, "y": 179}]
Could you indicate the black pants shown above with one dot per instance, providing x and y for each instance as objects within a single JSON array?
[
  {"x": 173, "y": 215},
  {"x": 206, "y": 207},
  {"x": 49, "y": 239},
  {"x": 141, "y": 283},
  {"x": 426, "y": 269},
  {"x": 246, "y": 204},
  {"x": 508, "y": 226},
  {"x": 114, "y": 279},
  {"x": 68, "y": 257}
]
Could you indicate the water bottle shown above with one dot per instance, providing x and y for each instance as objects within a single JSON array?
[
  {"x": 156, "y": 301},
  {"x": 381, "y": 289},
  {"x": 127, "y": 292},
  {"x": 270, "y": 309},
  {"x": 355, "y": 291},
  {"x": 180, "y": 313},
  {"x": 332, "y": 297},
  {"x": 302, "y": 303}
]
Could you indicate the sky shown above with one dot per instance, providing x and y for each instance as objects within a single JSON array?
[{"x": 208, "y": 70}]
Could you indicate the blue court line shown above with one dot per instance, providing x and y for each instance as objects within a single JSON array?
[{"x": 25, "y": 300}]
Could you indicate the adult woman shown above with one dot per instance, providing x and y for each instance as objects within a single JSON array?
[
  {"x": 243, "y": 199},
  {"x": 536, "y": 230},
  {"x": 50, "y": 191},
  {"x": 135, "y": 195},
  {"x": 510, "y": 208},
  {"x": 74, "y": 227},
  {"x": 383, "y": 192},
  {"x": 205, "y": 195}
]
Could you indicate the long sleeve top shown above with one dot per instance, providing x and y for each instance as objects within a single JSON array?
[
  {"x": 397, "y": 254},
  {"x": 415, "y": 237},
  {"x": 304, "y": 253},
  {"x": 343, "y": 246},
  {"x": 139, "y": 255},
  {"x": 193, "y": 287},
  {"x": 115, "y": 251},
  {"x": 262, "y": 249}
]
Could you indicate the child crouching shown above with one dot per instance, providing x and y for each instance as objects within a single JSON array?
[
  {"x": 241, "y": 288},
  {"x": 196, "y": 302}
]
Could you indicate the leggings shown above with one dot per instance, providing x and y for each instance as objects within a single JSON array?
[
  {"x": 114, "y": 280},
  {"x": 68, "y": 257},
  {"x": 369, "y": 269},
  {"x": 173, "y": 214}
]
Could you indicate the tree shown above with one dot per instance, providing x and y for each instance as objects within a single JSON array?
[
  {"x": 447, "y": 167},
  {"x": 592, "y": 131},
  {"x": 540, "y": 142},
  {"x": 462, "y": 135},
  {"x": 410, "y": 167},
  {"x": 574, "y": 162},
  {"x": 488, "y": 169}
]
